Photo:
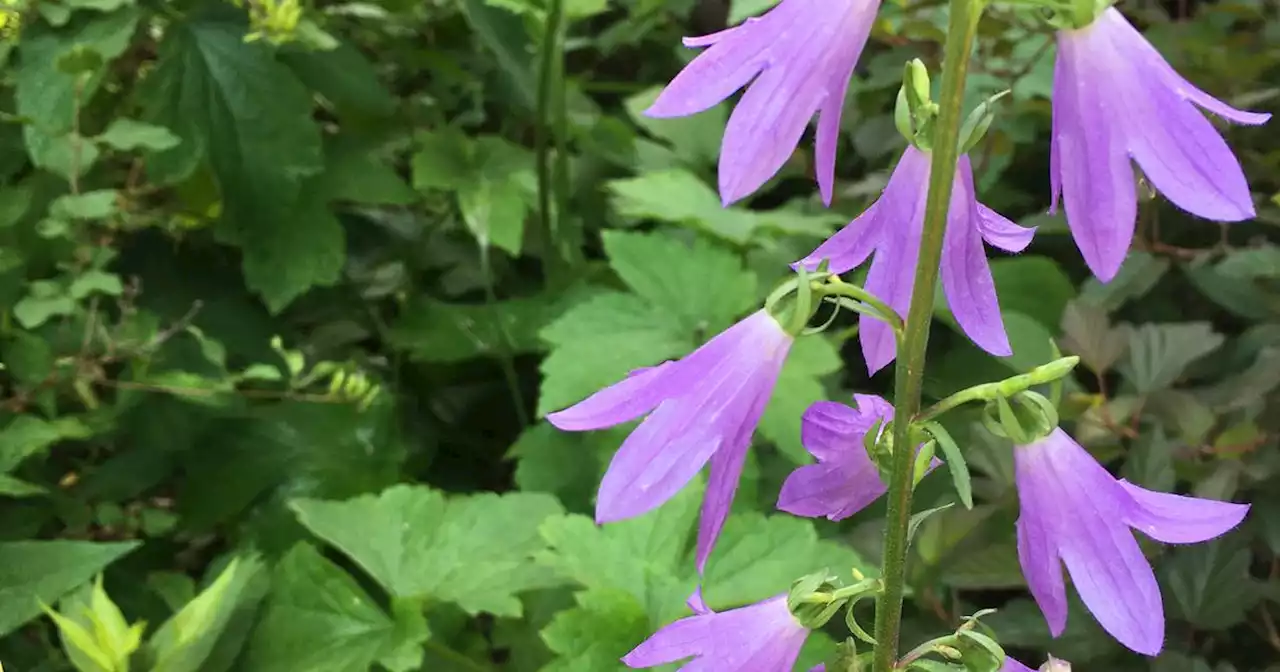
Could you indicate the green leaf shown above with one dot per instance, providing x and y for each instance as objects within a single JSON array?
[
  {"x": 758, "y": 557},
  {"x": 646, "y": 556},
  {"x": 704, "y": 287},
  {"x": 1251, "y": 263},
  {"x": 1139, "y": 273},
  {"x": 504, "y": 34},
  {"x": 565, "y": 464},
  {"x": 1087, "y": 333},
  {"x": 27, "y": 435},
  {"x": 955, "y": 463},
  {"x": 798, "y": 386},
  {"x": 1160, "y": 353},
  {"x": 128, "y": 135},
  {"x": 434, "y": 331},
  {"x": 680, "y": 197},
  {"x": 1210, "y": 582},
  {"x": 356, "y": 175},
  {"x": 231, "y": 101},
  {"x": 27, "y": 357},
  {"x": 594, "y": 635},
  {"x": 473, "y": 551},
  {"x": 600, "y": 341},
  {"x": 318, "y": 619},
  {"x": 1033, "y": 286},
  {"x": 496, "y": 198},
  {"x": 443, "y": 160},
  {"x": 43, "y": 571},
  {"x": 184, "y": 641},
  {"x": 98, "y": 204},
  {"x": 345, "y": 77},
  {"x": 1150, "y": 461},
  {"x": 695, "y": 138}
]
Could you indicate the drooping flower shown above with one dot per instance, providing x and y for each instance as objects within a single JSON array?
[
  {"x": 762, "y": 637},
  {"x": 1075, "y": 512},
  {"x": 704, "y": 407},
  {"x": 891, "y": 230},
  {"x": 1116, "y": 98},
  {"x": 801, "y": 55},
  {"x": 1011, "y": 665},
  {"x": 845, "y": 479}
]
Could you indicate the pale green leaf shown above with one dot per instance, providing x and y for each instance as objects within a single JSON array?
[
  {"x": 600, "y": 341},
  {"x": 184, "y": 642},
  {"x": 129, "y": 135},
  {"x": 473, "y": 551},
  {"x": 594, "y": 635},
  {"x": 1160, "y": 353}
]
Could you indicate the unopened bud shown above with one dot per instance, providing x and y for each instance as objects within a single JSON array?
[
  {"x": 1055, "y": 665},
  {"x": 812, "y": 600},
  {"x": 975, "y": 127}
]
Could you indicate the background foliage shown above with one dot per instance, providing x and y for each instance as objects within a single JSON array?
[{"x": 279, "y": 318}]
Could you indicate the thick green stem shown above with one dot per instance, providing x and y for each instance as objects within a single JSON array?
[
  {"x": 909, "y": 374},
  {"x": 552, "y": 177}
]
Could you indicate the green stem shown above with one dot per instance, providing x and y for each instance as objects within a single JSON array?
[
  {"x": 909, "y": 374},
  {"x": 550, "y": 70}
]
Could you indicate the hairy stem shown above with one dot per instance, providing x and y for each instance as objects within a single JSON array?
[{"x": 909, "y": 374}]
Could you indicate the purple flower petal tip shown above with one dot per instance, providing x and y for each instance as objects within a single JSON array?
[
  {"x": 701, "y": 409},
  {"x": 1116, "y": 100},
  {"x": 759, "y": 637},
  {"x": 795, "y": 61},
  {"x": 889, "y": 233},
  {"x": 1075, "y": 513}
]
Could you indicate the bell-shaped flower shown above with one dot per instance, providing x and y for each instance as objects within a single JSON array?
[
  {"x": 1115, "y": 98},
  {"x": 762, "y": 637},
  {"x": 702, "y": 408},
  {"x": 891, "y": 230},
  {"x": 1076, "y": 513},
  {"x": 845, "y": 479},
  {"x": 796, "y": 61}
]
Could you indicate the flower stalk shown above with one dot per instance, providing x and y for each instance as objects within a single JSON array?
[{"x": 909, "y": 374}]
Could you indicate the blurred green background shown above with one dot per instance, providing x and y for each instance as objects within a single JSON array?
[{"x": 285, "y": 291}]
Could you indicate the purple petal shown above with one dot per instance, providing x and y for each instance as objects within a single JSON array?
[
  {"x": 621, "y": 402},
  {"x": 726, "y": 464},
  {"x": 1093, "y": 165},
  {"x": 1175, "y": 519},
  {"x": 756, "y": 638},
  {"x": 828, "y": 135},
  {"x": 1147, "y": 54},
  {"x": 966, "y": 277},
  {"x": 1107, "y": 567},
  {"x": 850, "y": 246},
  {"x": 1011, "y": 665},
  {"x": 1002, "y": 233},
  {"x": 705, "y": 396},
  {"x": 696, "y": 604},
  {"x": 1036, "y": 550},
  {"x": 829, "y": 429},
  {"x": 710, "y": 77},
  {"x": 835, "y": 491}
]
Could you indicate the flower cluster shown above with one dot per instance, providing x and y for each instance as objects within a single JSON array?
[{"x": 1116, "y": 101}]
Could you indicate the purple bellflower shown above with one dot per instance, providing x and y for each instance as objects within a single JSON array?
[
  {"x": 762, "y": 637},
  {"x": 1115, "y": 98},
  {"x": 845, "y": 479},
  {"x": 702, "y": 408},
  {"x": 795, "y": 60},
  {"x": 1011, "y": 665},
  {"x": 1075, "y": 512},
  {"x": 891, "y": 229}
]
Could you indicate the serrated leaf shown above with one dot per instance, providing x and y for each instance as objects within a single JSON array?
[
  {"x": 234, "y": 103},
  {"x": 473, "y": 551},
  {"x": 646, "y": 556},
  {"x": 317, "y": 618},
  {"x": 1210, "y": 582},
  {"x": 1251, "y": 263},
  {"x": 1087, "y": 333},
  {"x": 43, "y": 571},
  {"x": 594, "y": 635},
  {"x": 1150, "y": 461},
  {"x": 565, "y": 464},
  {"x": 798, "y": 386},
  {"x": 1139, "y": 273},
  {"x": 599, "y": 342},
  {"x": 758, "y": 557},
  {"x": 680, "y": 197},
  {"x": 1160, "y": 353},
  {"x": 704, "y": 287}
]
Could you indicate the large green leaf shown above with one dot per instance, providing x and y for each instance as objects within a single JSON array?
[
  {"x": 32, "y": 572},
  {"x": 474, "y": 551},
  {"x": 185, "y": 641},
  {"x": 798, "y": 386},
  {"x": 1210, "y": 583},
  {"x": 318, "y": 619},
  {"x": 232, "y": 102}
]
